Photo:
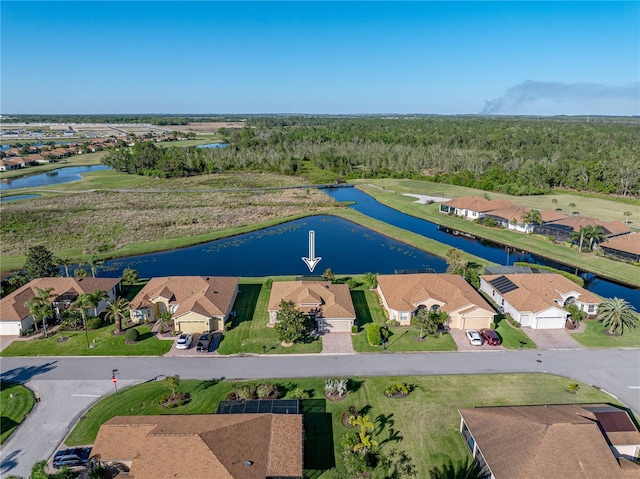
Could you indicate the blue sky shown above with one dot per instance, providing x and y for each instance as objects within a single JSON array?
[{"x": 531, "y": 58}]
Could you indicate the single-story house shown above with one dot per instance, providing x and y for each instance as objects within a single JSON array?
[
  {"x": 199, "y": 446},
  {"x": 403, "y": 294},
  {"x": 15, "y": 317},
  {"x": 472, "y": 207},
  {"x": 575, "y": 441},
  {"x": 538, "y": 300},
  {"x": 197, "y": 303},
  {"x": 328, "y": 304},
  {"x": 624, "y": 247},
  {"x": 562, "y": 228}
]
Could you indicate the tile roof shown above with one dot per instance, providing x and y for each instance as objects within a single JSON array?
[
  {"x": 477, "y": 203},
  {"x": 550, "y": 215},
  {"x": 539, "y": 442},
  {"x": 334, "y": 299},
  {"x": 611, "y": 228},
  {"x": 12, "y": 306},
  {"x": 238, "y": 446},
  {"x": 207, "y": 295},
  {"x": 403, "y": 292},
  {"x": 510, "y": 212},
  {"x": 537, "y": 292},
  {"x": 629, "y": 243}
]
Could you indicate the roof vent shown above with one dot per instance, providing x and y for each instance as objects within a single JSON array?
[{"x": 248, "y": 463}]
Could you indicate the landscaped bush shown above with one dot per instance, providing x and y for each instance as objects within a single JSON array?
[
  {"x": 397, "y": 390},
  {"x": 352, "y": 283},
  {"x": 512, "y": 321},
  {"x": 94, "y": 322},
  {"x": 335, "y": 389},
  {"x": 373, "y": 334},
  {"x": 354, "y": 328},
  {"x": 172, "y": 400},
  {"x": 299, "y": 393},
  {"x": 267, "y": 391},
  {"x": 132, "y": 334}
]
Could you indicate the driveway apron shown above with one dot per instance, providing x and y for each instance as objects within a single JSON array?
[{"x": 337, "y": 343}]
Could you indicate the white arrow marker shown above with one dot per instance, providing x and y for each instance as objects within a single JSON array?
[{"x": 312, "y": 261}]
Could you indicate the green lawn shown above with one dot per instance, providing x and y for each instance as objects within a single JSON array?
[
  {"x": 248, "y": 332},
  {"x": 513, "y": 338},
  {"x": 425, "y": 424},
  {"x": 16, "y": 402},
  {"x": 104, "y": 342},
  {"x": 593, "y": 337}
]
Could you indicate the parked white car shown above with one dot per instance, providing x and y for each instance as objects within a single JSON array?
[
  {"x": 474, "y": 337},
  {"x": 184, "y": 341}
]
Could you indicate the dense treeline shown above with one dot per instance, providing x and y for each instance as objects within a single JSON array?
[
  {"x": 118, "y": 119},
  {"x": 511, "y": 155}
]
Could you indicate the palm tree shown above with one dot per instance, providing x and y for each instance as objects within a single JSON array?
[
  {"x": 94, "y": 265},
  {"x": 617, "y": 313},
  {"x": 95, "y": 298},
  {"x": 572, "y": 207},
  {"x": 40, "y": 307},
  {"x": 82, "y": 304},
  {"x": 365, "y": 444},
  {"x": 116, "y": 311},
  {"x": 555, "y": 203},
  {"x": 533, "y": 217},
  {"x": 363, "y": 421},
  {"x": 578, "y": 236},
  {"x": 595, "y": 234},
  {"x": 626, "y": 215},
  {"x": 65, "y": 263}
]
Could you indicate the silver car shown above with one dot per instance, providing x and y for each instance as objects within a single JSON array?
[
  {"x": 474, "y": 337},
  {"x": 184, "y": 341}
]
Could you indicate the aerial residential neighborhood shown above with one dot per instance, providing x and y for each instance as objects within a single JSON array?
[{"x": 319, "y": 240}]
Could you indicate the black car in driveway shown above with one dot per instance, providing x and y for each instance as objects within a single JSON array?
[
  {"x": 77, "y": 456},
  {"x": 204, "y": 341}
]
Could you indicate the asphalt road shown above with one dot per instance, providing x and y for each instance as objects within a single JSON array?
[{"x": 68, "y": 386}]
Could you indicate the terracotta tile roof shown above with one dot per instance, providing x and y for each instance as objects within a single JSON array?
[
  {"x": 12, "y": 306},
  {"x": 477, "y": 203},
  {"x": 334, "y": 299},
  {"x": 629, "y": 243},
  {"x": 550, "y": 215},
  {"x": 204, "y": 446},
  {"x": 209, "y": 296},
  {"x": 539, "y": 442},
  {"x": 537, "y": 292},
  {"x": 611, "y": 228},
  {"x": 510, "y": 212},
  {"x": 404, "y": 292}
]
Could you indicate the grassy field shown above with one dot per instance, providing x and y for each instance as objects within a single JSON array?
[
  {"x": 425, "y": 424},
  {"x": 618, "y": 271},
  {"x": 593, "y": 337},
  {"x": 248, "y": 332},
  {"x": 604, "y": 207},
  {"x": 16, "y": 402},
  {"x": 103, "y": 341}
]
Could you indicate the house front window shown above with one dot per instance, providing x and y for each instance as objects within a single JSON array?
[
  {"x": 592, "y": 308},
  {"x": 404, "y": 316}
]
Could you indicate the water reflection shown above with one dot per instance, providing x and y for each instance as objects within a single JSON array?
[{"x": 53, "y": 177}]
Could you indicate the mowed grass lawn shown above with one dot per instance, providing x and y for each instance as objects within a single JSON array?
[
  {"x": 16, "y": 402},
  {"x": 594, "y": 337},
  {"x": 248, "y": 332},
  {"x": 103, "y": 341},
  {"x": 425, "y": 424}
]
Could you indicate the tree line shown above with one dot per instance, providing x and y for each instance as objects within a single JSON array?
[{"x": 511, "y": 155}]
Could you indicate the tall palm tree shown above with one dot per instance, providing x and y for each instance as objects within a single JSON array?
[
  {"x": 82, "y": 304},
  {"x": 116, "y": 311},
  {"x": 94, "y": 265},
  {"x": 65, "y": 263},
  {"x": 572, "y": 206},
  {"x": 626, "y": 215},
  {"x": 40, "y": 307},
  {"x": 617, "y": 313},
  {"x": 595, "y": 234},
  {"x": 533, "y": 217},
  {"x": 95, "y": 298},
  {"x": 365, "y": 444},
  {"x": 578, "y": 236}
]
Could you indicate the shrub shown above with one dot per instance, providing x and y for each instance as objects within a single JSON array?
[
  {"x": 373, "y": 334},
  {"x": 132, "y": 334},
  {"x": 354, "y": 328},
  {"x": 393, "y": 322},
  {"x": 352, "y": 283},
  {"x": 397, "y": 389},
  {"x": 94, "y": 323},
  {"x": 267, "y": 390},
  {"x": 573, "y": 388},
  {"x": 335, "y": 387},
  {"x": 299, "y": 393},
  {"x": 512, "y": 321},
  {"x": 268, "y": 283},
  {"x": 245, "y": 391}
]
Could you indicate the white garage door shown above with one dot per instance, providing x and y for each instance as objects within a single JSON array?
[
  {"x": 197, "y": 326},
  {"x": 338, "y": 326},
  {"x": 9, "y": 328},
  {"x": 550, "y": 323}
]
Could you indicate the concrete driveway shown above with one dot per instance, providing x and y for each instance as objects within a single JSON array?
[
  {"x": 463, "y": 343},
  {"x": 337, "y": 343},
  {"x": 554, "y": 338}
]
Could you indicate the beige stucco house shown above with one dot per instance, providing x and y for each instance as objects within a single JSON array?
[
  {"x": 472, "y": 207},
  {"x": 537, "y": 300},
  {"x": 15, "y": 317},
  {"x": 221, "y": 446},
  {"x": 329, "y": 304},
  {"x": 197, "y": 303},
  {"x": 576, "y": 441},
  {"x": 403, "y": 294}
]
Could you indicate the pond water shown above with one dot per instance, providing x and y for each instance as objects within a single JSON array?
[
  {"x": 48, "y": 178},
  {"x": 6, "y": 199},
  {"x": 213, "y": 145},
  {"x": 343, "y": 246}
]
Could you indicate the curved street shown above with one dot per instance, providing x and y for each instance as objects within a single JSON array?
[{"x": 68, "y": 386}]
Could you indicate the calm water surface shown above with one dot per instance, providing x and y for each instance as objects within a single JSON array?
[
  {"x": 213, "y": 145},
  {"x": 6, "y": 199},
  {"x": 53, "y": 177}
]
